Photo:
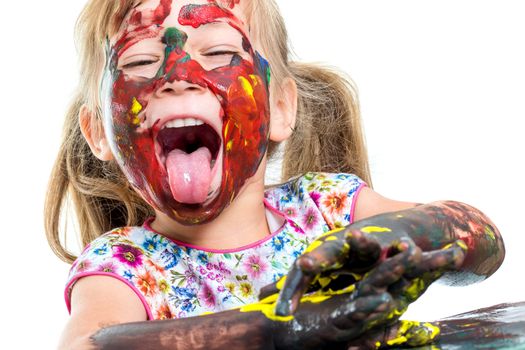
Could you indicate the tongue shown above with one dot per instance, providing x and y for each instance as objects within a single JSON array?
[{"x": 189, "y": 175}]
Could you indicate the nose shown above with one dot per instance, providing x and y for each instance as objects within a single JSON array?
[{"x": 178, "y": 87}]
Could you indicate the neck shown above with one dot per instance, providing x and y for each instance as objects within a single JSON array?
[{"x": 242, "y": 223}]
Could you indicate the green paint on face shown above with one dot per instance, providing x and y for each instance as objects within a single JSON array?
[{"x": 174, "y": 38}]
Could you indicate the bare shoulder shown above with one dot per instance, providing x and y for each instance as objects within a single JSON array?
[
  {"x": 370, "y": 203},
  {"x": 97, "y": 302}
]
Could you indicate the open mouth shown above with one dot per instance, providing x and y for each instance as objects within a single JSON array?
[{"x": 189, "y": 139}]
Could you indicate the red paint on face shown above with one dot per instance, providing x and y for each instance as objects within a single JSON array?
[
  {"x": 241, "y": 88},
  {"x": 198, "y": 15}
]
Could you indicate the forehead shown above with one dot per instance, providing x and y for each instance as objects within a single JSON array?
[{"x": 187, "y": 15}]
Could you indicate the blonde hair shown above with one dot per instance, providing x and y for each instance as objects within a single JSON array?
[{"x": 327, "y": 136}]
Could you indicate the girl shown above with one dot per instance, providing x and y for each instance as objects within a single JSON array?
[{"x": 165, "y": 149}]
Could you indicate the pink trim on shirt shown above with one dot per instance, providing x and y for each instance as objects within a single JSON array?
[
  {"x": 147, "y": 226},
  {"x": 354, "y": 201},
  {"x": 109, "y": 274}
]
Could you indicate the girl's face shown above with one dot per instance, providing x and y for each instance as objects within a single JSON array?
[{"x": 185, "y": 105}]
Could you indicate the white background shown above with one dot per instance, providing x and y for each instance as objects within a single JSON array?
[{"x": 442, "y": 86}]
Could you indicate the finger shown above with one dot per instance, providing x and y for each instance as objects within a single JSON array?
[
  {"x": 340, "y": 248},
  {"x": 448, "y": 258},
  {"x": 392, "y": 269},
  {"x": 357, "y": 316},
  {"x": 295, "y": 285},
  {"x": 329, "y": 252}
]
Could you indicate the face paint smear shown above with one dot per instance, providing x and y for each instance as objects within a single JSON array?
[{"x": 174, "y": 168}]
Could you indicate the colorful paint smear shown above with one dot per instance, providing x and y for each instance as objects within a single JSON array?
[{"x": 241, "y": 87}]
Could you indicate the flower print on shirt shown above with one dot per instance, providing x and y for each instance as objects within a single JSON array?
[
  {"x": 108, "y": 266},
  {"x": 128, "y": 255},
  {"x": 246, "y": 289},
  {"x": 83, "y": 265},
  {"x": 170, "y": 257},
  {"x": 184, "y": 298},
  {"x": 146, "y": 283},
  {"x": 310, "y": 218},
  {"x": 336, "y": 203},
  {"x": 207, "y": 297},
  {"x": 163, "y": 313},
  {"x": 278, "y": 243},
  {"x": 255, "y": 266},
  {"x": 202, "y": 258},
  {"x": 151, "y": 243},
  {"x": 101, "y": 250}
]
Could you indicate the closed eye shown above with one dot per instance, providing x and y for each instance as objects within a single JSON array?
[
  {"x": 139, "y": 63},
  {"x": 220, "y": 53}
]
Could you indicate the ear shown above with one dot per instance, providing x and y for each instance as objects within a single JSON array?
[
  {"x": 93, "y": 132},
  {"x": 283, "y": 111}
]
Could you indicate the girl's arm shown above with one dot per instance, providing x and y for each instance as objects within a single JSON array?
[
  {"x": 433, "y": 225},
  {"x": 430, "y": 226},
  {"x": 105, "y": 314},
  {"x": 103, "y": 309}
]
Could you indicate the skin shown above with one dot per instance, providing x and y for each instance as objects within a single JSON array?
[{"x": 107, "y": 315}]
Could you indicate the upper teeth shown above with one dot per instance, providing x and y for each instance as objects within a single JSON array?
[{"x": 179, "y": 123}]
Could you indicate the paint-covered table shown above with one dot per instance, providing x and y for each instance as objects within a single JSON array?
[{"x": 498, "y": 327}]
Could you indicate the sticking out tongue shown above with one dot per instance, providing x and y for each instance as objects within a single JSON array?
[{"x": 189, "y": 175}]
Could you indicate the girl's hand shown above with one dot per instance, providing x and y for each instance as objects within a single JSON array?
[
  {"x": 341, "y": 257},
  {"x": 367, "y": 311}
]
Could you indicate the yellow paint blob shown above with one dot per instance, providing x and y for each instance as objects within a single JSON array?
[
  {"x": 136, "y": 107},
  {"x": 268, "y": 310},
  {"x": 281, "y": 282},
  {"x": 246, "y": 86},
  {"x": 324, "y": 281},
  {"x": 331, "y": 238},
  {"x": 329, "y": 233},
  {"x": 462, "y": 245},
  {"x": 229, "y": 145},
  {"x": 314, "y": 245},
  {"x": 408, "y": 330},
  {"x": 375, "y": 229}
]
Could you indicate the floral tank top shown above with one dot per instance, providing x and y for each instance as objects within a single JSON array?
[{"x": 174, "y": 279}]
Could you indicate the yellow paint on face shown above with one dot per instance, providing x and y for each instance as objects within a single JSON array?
[
  {"x": 246, "y": 86},
  {"x": 229, "y": 145},
  {"x": 136, "y": 107},
  {"x": 255, "y": 79},
  {"x": 331, "y": 238},
  {"x": 375, "y": 229}
]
